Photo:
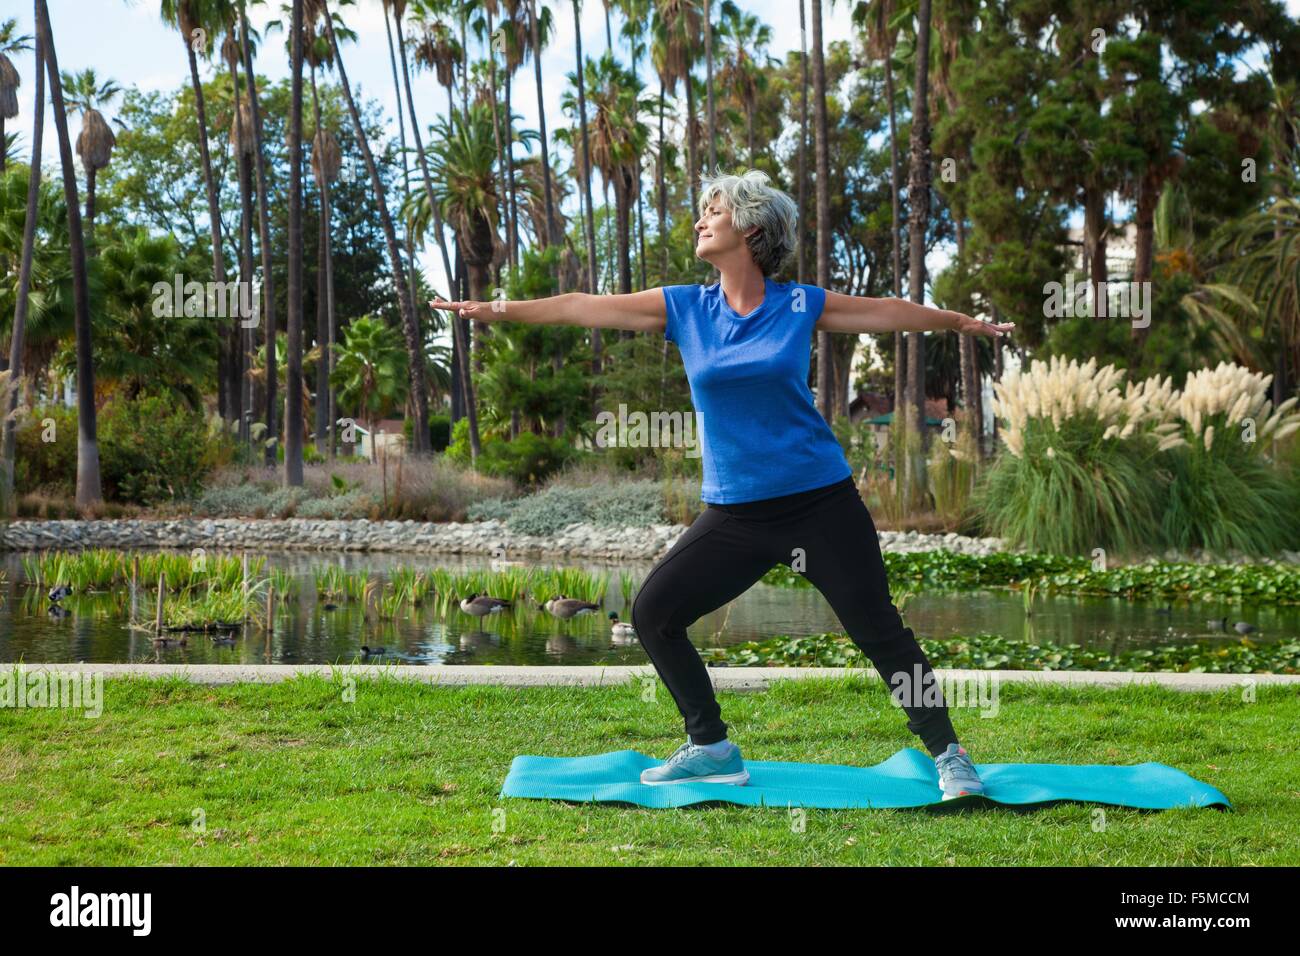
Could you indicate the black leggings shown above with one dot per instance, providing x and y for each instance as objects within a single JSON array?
[{"x": 729, "y": 547}]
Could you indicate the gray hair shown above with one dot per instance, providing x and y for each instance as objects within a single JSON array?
[{"x": 753, "y": 201}]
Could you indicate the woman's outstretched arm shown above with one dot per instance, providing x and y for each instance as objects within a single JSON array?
[
  {"x": 636, "y": 311},
  {"x": 852, "y": 313}
]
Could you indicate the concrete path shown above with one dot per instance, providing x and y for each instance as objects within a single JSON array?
[{"x": 724, "y": 678}]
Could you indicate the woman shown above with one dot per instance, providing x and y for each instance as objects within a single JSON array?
[{"x": 776, "y": 482}]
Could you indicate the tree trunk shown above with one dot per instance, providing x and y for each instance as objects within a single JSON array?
[
  {"x": 825, "y": 367},
  {"x": 801, "y": 272},
  {"x": 596, "y": 343},
  {"x": 918, "y": 200},
  {"x": 264, "y": 240},
  {"x": 549, "y": 234},
  {"x": 900, "y": 341},
  {"x": 1094, "y": 245},
  {"x": 410, "y": 326},
  {"x": 7, "y": 444},
  {"x": 90, "y": 203},
  {"x": 708, "y": 69},
  {"x": 214, "y": 219},
  {"x": 1144, "y": 219},
  {"x": 422, "y": 444},
  {"x": 293, "y": 374},
  {"x": 88, "y": 482}
]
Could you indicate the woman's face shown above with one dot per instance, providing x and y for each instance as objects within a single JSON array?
[{"x": 715, "y": 236}]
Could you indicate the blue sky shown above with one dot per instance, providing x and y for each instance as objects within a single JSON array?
[{"x": 126, "y": 40}]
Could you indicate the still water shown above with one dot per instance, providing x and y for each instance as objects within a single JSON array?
[{"x": 96, "y": 631}]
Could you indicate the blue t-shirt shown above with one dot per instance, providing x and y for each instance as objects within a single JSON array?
[{"x": 761, "y": 434}]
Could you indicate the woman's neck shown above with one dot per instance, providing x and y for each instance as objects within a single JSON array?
[{"x": 744, "y": 289}]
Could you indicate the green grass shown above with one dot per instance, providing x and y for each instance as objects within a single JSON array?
[{"x": 291, "y": 773}]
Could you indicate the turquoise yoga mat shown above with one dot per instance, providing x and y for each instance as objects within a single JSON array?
[{"x": 907, "y": 779}]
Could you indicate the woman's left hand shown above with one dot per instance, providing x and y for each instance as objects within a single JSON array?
[{"x": 971, "y": 326}]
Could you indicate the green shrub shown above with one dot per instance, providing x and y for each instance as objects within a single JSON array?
[
  {"x": 439, "y": 431},
  {"x": 152, "y": 450},
  {"x": 528, "y": 459},
  {"x": 42, "y": 465}
]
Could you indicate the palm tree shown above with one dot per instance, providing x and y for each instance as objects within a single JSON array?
[
  {"x": 326, "y": 161},
  {"x": 918, "y": 203},
  {"x": 293, "y": 411},
  {"x": 539, "y": 33},
  {"x": 9, "y": 405},
  {"x": 11, "y": 41},
  {"x": 882, "y": 38},
  {"x": 242, "y": 144},
  {"x": 821, "y": 151},
  {"x": 88, "y": 482},
  {"x": 194, "y": 19},
  {"x": 398, "y": 7},
  {"x": 744, "y": 42},
  {"x": 617, "y": 139},
  {"x": 421, "y": 441},
  {"x": 577, "y": 76},
  {"x": 708, "y": 81},
  {"x": 410, "y": 324},
  {"x": 369, "y": 372},
  {"x": 800, "y": 245},
  {"x": 270, "y": 386},
  {"x": 135, "y": 348},
  {"x": 676, "y": 27},
  {"x": 85, "y": 94}
]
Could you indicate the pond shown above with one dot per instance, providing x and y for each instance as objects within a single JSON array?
[{"x": 97, "y": 630}]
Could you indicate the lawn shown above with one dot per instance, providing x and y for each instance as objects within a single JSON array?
[{"x": 295, "y": 773}]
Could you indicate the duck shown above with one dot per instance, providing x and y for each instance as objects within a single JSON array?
[
  {"x": 372, "y": 651},
  {"x": 163, "y": 641},
  {"x": 565, "y": 608},
  {"x": 330, "y": 607},
  {"x": 1241, "y": 627},
  {"x": 480, "y": 605},
  {"x": 620, "y": 628},
  {"x": 57, "y": 594},
  {"x": 1218, "y": 624},
  {"x": 227, "y": 638}
]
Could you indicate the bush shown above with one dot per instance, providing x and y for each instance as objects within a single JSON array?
[
  {"x": 48, "y": 466},
  {"x": 153, "y": 450},
  {"x": 528, "y": 459},
  {"x": 248, "y": 501},
  {"x": 439, "y": 431},
  {"x": 614, "y": 505},
  {"x": 150, "y": 450}
]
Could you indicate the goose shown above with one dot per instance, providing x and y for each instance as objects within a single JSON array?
[
  {"x": 372, "y": 651},
  {"x": 57, "y": 594},
  {"x": 1241, "y": 627},
  {"x": 480, "y": 605},
  {"x": 620, "y": 628},
  {"x": 565, "y": 608}
]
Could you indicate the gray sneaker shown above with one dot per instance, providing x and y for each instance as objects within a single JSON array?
[
  {"x": 957, "y": 776},
  {"x": 692, "y": 764}
]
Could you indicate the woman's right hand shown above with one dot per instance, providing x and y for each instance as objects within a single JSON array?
[{"x": 467, "y": 309}]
